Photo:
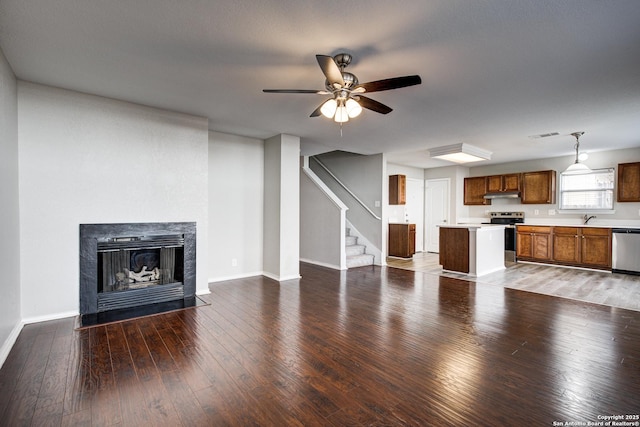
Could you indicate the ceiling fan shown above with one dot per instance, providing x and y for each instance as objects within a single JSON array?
[{"x": 347, "y": 100}]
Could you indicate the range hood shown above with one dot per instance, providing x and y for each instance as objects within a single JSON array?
[{"x": 503, "y": 195}]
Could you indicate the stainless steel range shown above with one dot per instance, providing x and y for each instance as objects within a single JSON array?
[{"x": 510, "y": 219}]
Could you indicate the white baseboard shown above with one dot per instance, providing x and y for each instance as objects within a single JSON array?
[
  {"x": 235, "y": 276},
  {"x": 9, "y": 342},
  {"x": 48, "y": 317},
  {"x": 321, "y": 264}
]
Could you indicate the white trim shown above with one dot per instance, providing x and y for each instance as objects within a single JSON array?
[
  {"x": 235, "y": 276},
  {"x": 9, "y": 342},
  {"x": 48, "y": 317},
  {"x": 283, "y": 278},
  {"x": 322, "y": 264}
]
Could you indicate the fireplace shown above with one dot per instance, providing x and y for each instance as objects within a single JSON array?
[{"x": 123, "y": 266}]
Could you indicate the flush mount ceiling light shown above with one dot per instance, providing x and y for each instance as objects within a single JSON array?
[
  {"x": 577, "y": 167},
  {"x": 460, "y": 153}
]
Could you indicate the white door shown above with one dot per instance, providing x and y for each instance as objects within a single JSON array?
[
  {"x": 415, "y": 209},
  {"x": 436, "y": 210}
]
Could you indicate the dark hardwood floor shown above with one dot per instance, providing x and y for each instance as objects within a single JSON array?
[{"x": 371, "y": 346}]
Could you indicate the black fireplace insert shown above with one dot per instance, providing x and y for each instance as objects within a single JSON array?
[{"x": 135, "y": 264}]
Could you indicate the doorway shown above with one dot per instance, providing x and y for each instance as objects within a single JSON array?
[
  {"x": 436, "y": 211},
  {"x": 415, "y": 209}
]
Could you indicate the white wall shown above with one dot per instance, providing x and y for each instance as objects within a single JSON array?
[
  {"x": 236, "y": 187},
  {"x": 366, "y": 177},
  {"x": 398, "y": 213},
  {"x": 9, "y": 211},
  {"x": 281, "y": 244},
  {"x": 88, "y": 159},
  {"x": 322, "y": 223}
]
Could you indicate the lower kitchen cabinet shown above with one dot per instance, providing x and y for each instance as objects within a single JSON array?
[
  {"x": 533, "y": 243},
  {"x": 454, "y": 249},
  {"x": 566, "y": 244},
  {"x": 588, "y": 247},
  {"x": 595, "y": 251},
  {"x": 402, "y": 240}
]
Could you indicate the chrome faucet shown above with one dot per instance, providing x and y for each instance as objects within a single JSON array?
[{"x": 587, "y": 218}]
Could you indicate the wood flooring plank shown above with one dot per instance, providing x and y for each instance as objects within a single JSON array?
[
  {"x": 371, "y": 346},
  {"x": 156, "y": 402}
]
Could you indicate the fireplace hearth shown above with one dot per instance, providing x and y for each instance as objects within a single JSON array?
[{"x": 124, "y": 266}]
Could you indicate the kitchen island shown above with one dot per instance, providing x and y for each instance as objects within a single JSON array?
[{"x": 472, "y": 249}]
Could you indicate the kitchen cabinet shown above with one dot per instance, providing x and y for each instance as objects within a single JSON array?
[
  {"x": 629, "y": 182},
  {"x": 472, "y": 249},
  {"x": 539, "y": 187},
  {"x": 533, "y": 242},
  {"x": 596, "y": 247},
  {"x": 566, "y": 244},
  {"x": 397, "y": 189},
  {"x": 503, "y": 183},
  {"x": 575, "y": 246},
  {"x": 474, "y": 190},
  {"x": 454, "y": 249},
  {"x": 402, "y": 240}
]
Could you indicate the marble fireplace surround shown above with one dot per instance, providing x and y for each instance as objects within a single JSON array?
[{"x": 91, "y": 233}]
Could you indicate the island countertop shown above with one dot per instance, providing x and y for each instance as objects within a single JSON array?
[
  {"x": 472, "y": 249},
  {"x": 470, "y": 225}
]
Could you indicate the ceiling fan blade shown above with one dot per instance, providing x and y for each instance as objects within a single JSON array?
[
  {"x": 388, "y": 84},
  {"x": 319, "y": 92},
  {"x": 330, "y": 70},
  {"x": 317, "y": 111},
  {"x": 372, "y": 105}
]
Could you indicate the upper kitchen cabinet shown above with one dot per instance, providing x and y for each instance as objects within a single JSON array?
[
  {"x": 474, "y": 190},
  {"x": 539, "y": 187},
  {"x": 629, "y": 182},
  {"x": 397, "y": 189},
  {"x": 503, "y": 183}
]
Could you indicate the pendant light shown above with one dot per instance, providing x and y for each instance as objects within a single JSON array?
[{"x": 577, "y": 167}]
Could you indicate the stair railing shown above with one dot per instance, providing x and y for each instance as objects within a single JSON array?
[{"x": 356, "y": 198}]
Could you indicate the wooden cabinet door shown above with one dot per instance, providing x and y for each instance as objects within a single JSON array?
[
  {"x": 541, "y": 246},
  {"x": 397, "y": 189},
  {"x": 566, "y": 244},
  {"x": 502, "y": 183},
  {"x": 524, "y": 245},
  {"x": 596, "y": 247},
  {"x": 402, "y": 240},
  {"x": 533, "y": 242},
  {"x": 511, "y": 182},
  {"x": 454, "y": 249},
  {"x": 474, "y": 190},
  {"x": 629, "y": 182},
  {"x": 539, "y": 187},
  {"x": 494, "y": 184}
]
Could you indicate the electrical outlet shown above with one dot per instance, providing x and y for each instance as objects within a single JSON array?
[
  {"x": 234, "y": 262},
  {"x": 536, "y": 212},
  {"x": 376, "y": 203},
  {"x": 552, "y": 211}
]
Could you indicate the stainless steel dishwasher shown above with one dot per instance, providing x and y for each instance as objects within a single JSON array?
[{"x": 626, "y": 250}]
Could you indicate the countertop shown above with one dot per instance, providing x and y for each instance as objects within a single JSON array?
[
  {"x": 470, "y": 225},
  {"x": 635, "y": 227}
]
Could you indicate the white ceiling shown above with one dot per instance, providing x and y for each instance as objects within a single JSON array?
[{"x": 494, "y": 72}]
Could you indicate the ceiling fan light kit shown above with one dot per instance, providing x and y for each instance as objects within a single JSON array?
[
  {"x": 460, "y": 153},
  {"x": 347, "y": 100}
]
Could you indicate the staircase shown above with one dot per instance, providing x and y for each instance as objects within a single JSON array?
[{"x": 356, "y": 256}]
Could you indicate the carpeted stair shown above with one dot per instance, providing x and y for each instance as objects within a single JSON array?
[{"x": 356, "y": 254}]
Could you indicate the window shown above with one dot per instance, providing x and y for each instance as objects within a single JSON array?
[{"x": 587, "y": 191}]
